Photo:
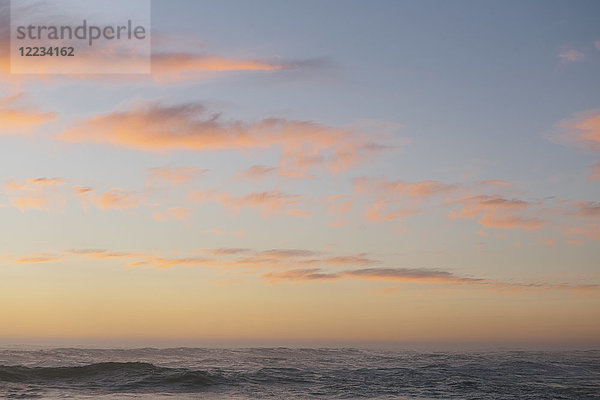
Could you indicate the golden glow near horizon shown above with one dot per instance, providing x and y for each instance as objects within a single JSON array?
[{"x": 276, "y": 187}]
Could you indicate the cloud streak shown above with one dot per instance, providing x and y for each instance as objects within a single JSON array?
[
  {"x": 173, "y": 176},
  {"x": 497, "y": 212},
  {"x": 175, "y": 67},
  {"x": 156, "y": 127},
  {"x": 286, "y": 265},
  {"x": 18, "y": 118},
  {"x": 415, "y": 275},
  {"x": 268, "y": 203},
  {"x": 34, "y": 193},
  {"x": 582, "y": 129},
  {"x": 571, "y": 56},
  {"x": 113, "y": 199}
]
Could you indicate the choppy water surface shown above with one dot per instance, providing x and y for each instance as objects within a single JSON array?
[{"x": 185, "y": 373}]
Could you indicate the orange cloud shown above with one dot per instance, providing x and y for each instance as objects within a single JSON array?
[
  {"x": 118, "y": 199},
  {"x": 38, "y": 258},
  {"x": 166, "y": 263},
  {"x": 269, "y": 203},
  {"x": 587, "y": 209},
  {"x": 174, "y": 213},
  {"x": 338, "y": 206},
  {"x": 34, "y": 193},
  {"x": 174, "y": 176},
  {"x": 388, "y": 193},
  {"x": 276, "y": 258},
  {"x": 385, "y": 274},
  {"x": 497, "y": 212},
  {"x": 256, "y": 172},
  {"x": 589, "y": 232},
  {"x": 382, "y": 186},
  {"x": 376, "y": 213},
  {"x": 357, "y": 259},
  {"x": 415, "y": 275},
  {"x": 548, "y": 242},
  {"x": 583, "y": 129},
  {"x": 101, "y": 254},
  {"x": 155, "y": 127},
  {"x": 173, "y": 67},
  {"x": 16, "y": 117},
  {"x": 310, "y": 274},
  {"x": 595, "y": 173},
  {"x": 282, "y": 265},
  {"x": 570, "y": 56},
  {"x": 227, "y": 251}
]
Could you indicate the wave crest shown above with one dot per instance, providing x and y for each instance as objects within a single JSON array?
[{"x": 128, "y": 376}]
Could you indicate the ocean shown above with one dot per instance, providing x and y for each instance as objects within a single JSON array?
[{"x": 286, "y": 373}]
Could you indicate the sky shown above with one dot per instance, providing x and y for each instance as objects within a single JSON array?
[{"x": 316, "y": 173}]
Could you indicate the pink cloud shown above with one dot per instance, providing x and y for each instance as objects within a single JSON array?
[
  {"x": 155, "y": 127},
  {"x": 174, "y": 67},
  {"x": 595, "y": 173},
  {"x": 399, "y": 188},
  {"x": 256, "y": 172},
  {"x": 17, "y": 117},
  {"x": 269, "y": 203},
  {"x": 174, "y": 213},
  {"x": 570, "y": 56},
  {"x": 587, "y": 209},
  {"x": 419, "y": 276},
  {"x": 117, "y": 199},
  {"x": 38, "y": 258},
  {"x": 35, "y": 193},
  {"x": 173, "y": 176},
  {"x": 376, "y": 213},
  {"x": 497, "y": 212},
  {"x": 582, "y": 129}
]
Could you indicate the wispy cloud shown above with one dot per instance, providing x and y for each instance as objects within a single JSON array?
[
  {"x": 173, "y": 213},
  {"x": 102, "y": 254},
  {"x": 17, "y": 117},
  {"x": 338, "y": 206},
  {"x": 269, "y": 203},
  {"x": 156, "y": 127},
  {"x": 173, "y": 176},
  {"x": 116, "y": 198},
  {"x": 394, "y": 200},
  {"x": 34, "y": 193},
  {"x": 38, "y": 258},
  {"x": 256, "y": 172},
  {"x": 497, "y": 212},
  {"x": 399, "y": 188},
  {"x": 417, "y": 276},
  {"x": 589, "y": 231},
  {"x": 571, "y": 56},
  {"x": 175, "y": 67},
  {"x": 594, "y": 173},
  {"x": 166, "y": 263},
  {"x": 376, "y": 212},
  {"x": 581, "y": 129},
  {"x": 585, "y": 209},
  {"x": 228, "y": 251},
  {"x": 119, "y": 199},
  {"x": 289, "y": 265}
]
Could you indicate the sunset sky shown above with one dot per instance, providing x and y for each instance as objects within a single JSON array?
[{"x": 312, "y": 172}]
